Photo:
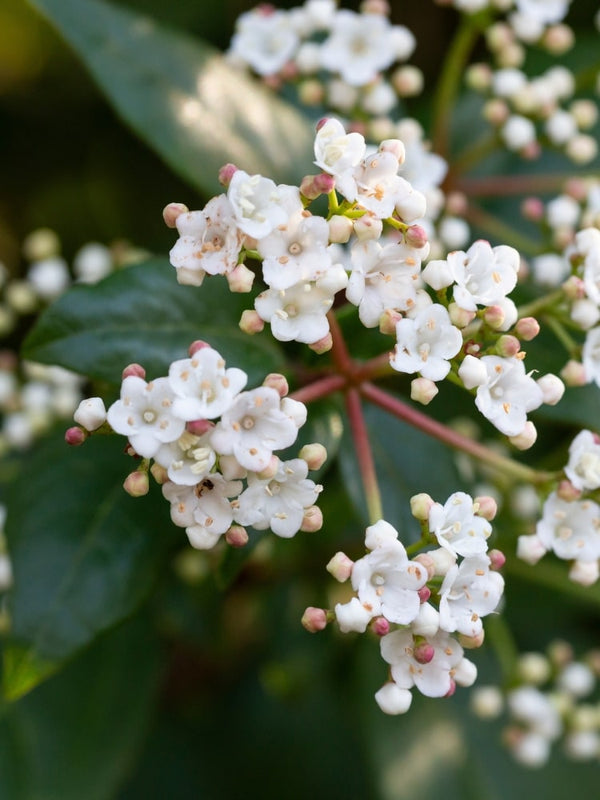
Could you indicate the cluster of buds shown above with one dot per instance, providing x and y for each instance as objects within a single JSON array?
[
  {"x": 555, "y": 698},
  {"x": 213, "y": 448},
  {"x": 416, "y": 605}
]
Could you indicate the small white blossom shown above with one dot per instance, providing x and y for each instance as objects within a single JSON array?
[
  {"x": 484, "y": 275},
  {"x": 570, "y": 529},
  {"x": 583, "y": 469},
  {"x": 338, "y": 153},
  {"x": 259, "y": 205},
  {"x": 187, "y": 460},
  {"x": 457, "y": 527},
  {"x": 469, "y": 592},
  {"x": 265, "y": 41},
  {"x": 508, "y": 394},
  {"x": 425, "y": 343}
]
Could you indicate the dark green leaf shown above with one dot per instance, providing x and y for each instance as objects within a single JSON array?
[
  {"x": 182, "y": 98},
  {"x": 77, "y": 736},
  {"x": 142, "y": 314},
  {"x": 406, "y": 462},
  {"x": 84, "y": 553}
]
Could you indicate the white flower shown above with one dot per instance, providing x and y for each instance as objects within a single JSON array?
[
  {"x": 90, "y": 413},
  {"x": 187, "y": 460},
  {"x": 457, "y": 527},
  {"x": 253, "y": 427},
  {"x": 425, "y": 343},
  {"x": 204, "y": 389},
  {"x": 378, "y": 184},
  {"x": 265, "y": 41},
  {"x": 484, "y": 275},
  {"x": 469, "y": 592},
  {"x": 92, "y": 262},
  {"x": 591, "y": 356},
  {"x": 583, "y": 469},
  {"x": 352, "y": 616},
  {"x": 517, "y": 132},
  {"x": 391, "y": 699},
  {"x": 433, "y": 679},
  {"x": 295, "y": 251},
  {"x": 570, "y": 529},
  {"x": 259, "y": 205},
  {"x": 145, "y": 414},
  {"x": 381, "y": 278},
  {"x": 546, "y": 12},
  {"x": 277, "y": 503},
  {"x": 210, "y": 242},
  {"x": 338, "y": 153},
  {"x": 49, "y": 277},
  {"x": 508, "y": 394}
]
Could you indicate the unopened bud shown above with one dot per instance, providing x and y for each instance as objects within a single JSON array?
[
  {"x": 487, "y": 702},
  {"x": 340, "y": 229},
  {"x": 560, "y": 653},
  {"x": 415, "y": 236},
  {"x": 424, "y": 594},
  {"x": 314, "y": 454},
  {"x": 311, "y": 92},
  {"x": 460, "y": 317},
  {"x": 558, "y": 39},
  {"x": 426, "y": 561},
  {"x": 231, "y": 469},
  {"x": 250, "y": 322},
  {"x": 278, "y": 382},
  {"x": 423, "y": 652},
  {"x": 567, "y": 492},
  {"x": 159, "y": 473},
  {"x": 471, "y": 642},
  {"x": 240, "y": 279},
  {"x": 395, "y": 147},
  {"x": 478, "y": 77},
  {"x": 496, "y": 112},
  {"x": 574, "y": 288},
  {"x": 388, "y": 321},
  {"x": 226, "y": 173},
  {"x": 552, "y": 388},
  {"x": 508, "y": 346},
  {"x": 90, "y": 413},
  {"x": 533, "y": 209},
  {"x": 367, "y": 227},
  {"x": 136, "y": 483},
  {"x": 443, "y": 560},
  {"x": 452, "y": 688},
  {"x": 312, "y": 520},
  {"x": 534, "y": 668},
  {"x": 197, "y": 345},
  {"x": 322, "y": 345},
  {"x": 313, "y": 186},
  {"x": 573, "y": 373},
  {"x": 392, "y": 699},
  {"x": 472, "y": 372},
  {"x": 199, "y": 426},
  {"x": 497, "y": 559},
  {"x": 270, "y": 470},
  {"x": 408, "y": 81},
  {"x": 525, "y": 439},
  {"x": 340, "y": 567},
  {"x": 420, "y": 506},
  {"x": 172, "y": 212},
  {"x": 487, "y": 507},
  {"x": 314, "y": 619},
  {"x": 134, "y": 369},
  {"x": 530, "y": 549},
  {"x": 380, "y": 626},
  {"x": 237, "y": 536},
  {"x": 423, "y": 390},
  {"x": 527, "y": 328},
  {"x": 585, "y": 573},
  {"x": 494, "y": 317},
  {"x": 75, "y": 436}
]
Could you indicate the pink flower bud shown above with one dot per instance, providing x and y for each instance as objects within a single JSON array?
[
  {"x": 486, "y": 506},
  {"x": 530, "y": 549},
  {"x": 424, "y": 594},
  {"x": 197, "y": 345},
  {"x": 240, "y": 279},
  {"x": 312, "y": 520},
  {"x": 251, "y": 323},
  {"x": 388, "y": 321},
  {"x": 558, "y": 39},
  {"x": 340, "y": 567},
  {"x": 396, "y": 147},
  {"x": 321, "y": 122},
  {"x": 494, "y": 317},
  {"x": 452, "y": 689},
  {"x": 573, "y": 373},
  {"x": 420, "y": 506},
  {"x": 532, "y": 208},
  {"x": 133, "y": 369},
  {"x": 278, "y": 382},
  {"x": 171, "y": 212},
  {"x": 199, "y": 426},
  {"x": 380, "y": 626},
  {"x": 508, "y": 346},
  {"x": 75, "y": 436},
  {"x": 525, "y": 439},
  {"x": 460, "y": 317},
  {"x": 456, "y": 204},
  {"x": 226, "y": 173},
  {"x": 314, "y": 619},
  {"x": 322, "y": 345},
  {"x": 136, "y": 483},
  {"x": 497, "y": 559},
  {"x": 527, "y": 328},
  {"x": 270, "y": 470},
  {"x": 236, "y": 536},
  {"x": 471, "y": 642},
  {"x": 415, "y": 236},
  {"x": 585, "y": 573},
  {"x": 159, "y": 473},
  {"x": 340, "y": 229},
  {"x": 422, "y": 390},
  {"x": 313, "y": 186},
  {"x": 426, "y": 561},
  {"x": 314, "y": 454},
  {"x": 380, "y": 7},
  {"x": 423, "y": 652},
  {"x": 567, "y": 492}
]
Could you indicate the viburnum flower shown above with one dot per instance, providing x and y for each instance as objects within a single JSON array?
[
  {"x": 264, "y": 39},
  {"x": 457, "y": 527},
  {"x": 382, "y": 277},
  {"x": 210, "y": 242},
  {"x": 425, "y": 343},
  {"x": 570, "y": 529},
  {"x": 508, "y": 394},
  {"x": 433, "y": 679},
  {"x": 259, "y": 205},
  {"x": 338, "y": 153},
  {"x": 590, "y": 356},
  {"x": 187, "y": 460},
  {"x": 583, "y": 469},
  {"x": 253, "y": 427},
  {"x": 203, "y": 388},
  {"x": 484, "y": 274},
  {"x": 280, "y": 502},
  {"x": 546, "y": 12},
  {"x": 295, "y": 251},
  {"x": 378, "y": 183},
  {"x": 469, "y": 592},
  {"x": 300, "y": 312},
  {"x": 145, "y": 414}
]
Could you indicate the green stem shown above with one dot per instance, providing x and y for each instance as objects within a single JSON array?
[
  {"x": 520, "y": 472},
  {"x": 563, "y": 336},
  {"x": 499, "y": 635},
  {"x": 541, "y": 304},
  {"x": 364, "y": 455}
]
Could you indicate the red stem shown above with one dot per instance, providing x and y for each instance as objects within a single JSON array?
[{"x": 364, "y": 455}]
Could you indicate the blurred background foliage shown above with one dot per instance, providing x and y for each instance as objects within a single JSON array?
[{"x": 232, "y": 698}]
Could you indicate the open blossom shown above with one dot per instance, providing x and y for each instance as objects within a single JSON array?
[
  {"x": 457, "y": 527},
  {"x": 483, "y": 275},
  {"x": 253, "y": 427},
  {"x": 570, "y": 529},
  {"x": 187, "y": 460},
  {"x": 278, "y": 503},
  {"x": 338, "y": 153},
  {"x": 144, "y": 413},
  {"x": 265, "y": 41},
  {"x": 469, "y": 592},
  {"x": 204, "y": 389},
  {"x": 209, "y": 242},
  {"x": 378, "y": 183},
  {"x": 260, "y": 205},
  {"x": 508, "y": 394},
  {"x": 425, "y": 343},
  {"x": 583, "y": 469},
  {"x": 590, "y": 356}
]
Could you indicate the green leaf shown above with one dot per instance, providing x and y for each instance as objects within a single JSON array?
[
  {"x": 142, "y": 314},
  {"x": 85, "y": 554},
  {"x": 406, "y": 462},
  {"x": 78, "y": 735},
  {"x": 23, "y": 670},
  {"x": 182, "y": 98}
]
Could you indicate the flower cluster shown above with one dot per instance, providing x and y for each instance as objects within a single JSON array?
[
  {"x": 416, "y": 605},
  {"x": 213, "y": 446},
  {"x": 555, "y": 697}
]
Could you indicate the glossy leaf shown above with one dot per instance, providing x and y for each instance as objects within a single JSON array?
[
  {"x": 182, "y": 98},
  {"x": 85, "y": 554},
  {"x": 142, "y": 314}
]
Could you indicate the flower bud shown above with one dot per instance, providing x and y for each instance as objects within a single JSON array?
[
  {"x": 270, "y": 470},
  {"x": 552, "y": 388},
  {"x": 159, "y": 473},
  {"x": 172, "y": 211},
  {"x": 486, "y": 506},
  {"x": 465, "y": 673},
  {"x": 394, "y": 146},
  {"x": 367, "y": 227},
  {"x": 487, "y": 702},
  {"x": 250, "y": 322},
  {"x": 478, "y": 77},
  {"x": 525, "y": 439},
  {"x": 424, "y": 594},
  {"x": 278, "y": 382},
  {"x": 472, "y": 372},
  {"x": 136, "y": 483},
  {"x": 530, "y": 549},
  {"x": 567, "y": 492},
  {"x": 460, "y": 317},
  {"x": 313, "y": 186},
  {"x": 494, "y": 317},
  {"x": 231, "y": 469},
  {"x": 340, "y": 567},
  {"x": 196, "y": 346},
  {"x": 391, "y": 699},
  {"x": 497, "y": 559},
  {"x": 226, "y": 173},
  {"x": 423, "y": 390},
  {"x": 532, "y": 208},
  {"x": 388, "y": 321},
  {"x": 585, "y": 573},
  {"x": 508, "y": 346},
  {"x": 314, "y": 619},
  {"x": 415, "y": 236},
  {"x": 427, "y": 621},
  {"x": 75, "y": 436},
  {"x": 90, "y": 413},
  {"x": 240, "y": 279},
  {"x": 443, "y": 560},
  {"x": 312, "y": 520},
  {"x": 471, "y": 642},
  {"x": 585, "y": 313},
  {"x": 322, "y": 345},
  {"x": 380, "y": 626},
  {"x": 423, "y": 652},
  {"x": 420, "y": 506},
  {"x": 438, "y": 274},
  {"x": 581, "y": 149},
  {"x": 527, "y": 328},
  {"x": 314, "y": 454},
  {"x": 558, "y": 39},
  {"x": 199, "y": 426},
  {"x": 237, "y": 536},
  {"x": 408, "y": 81},
  {"x": 340, "y": 229},
  {"x": 426, "y": 561},
  {"x": 534, "y": 668},
  {"x": 573, "y": 373},
  {"x": 133, "y": 369}
]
